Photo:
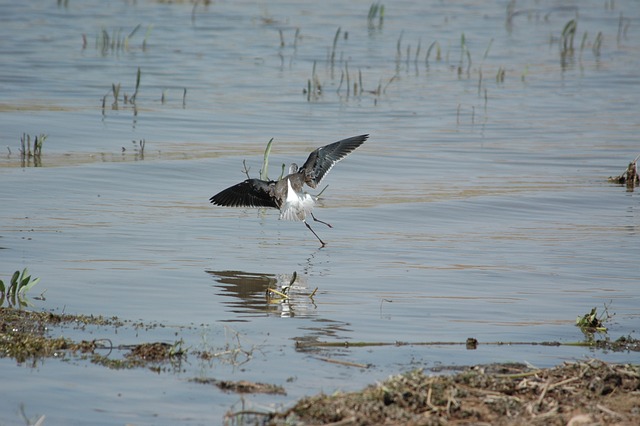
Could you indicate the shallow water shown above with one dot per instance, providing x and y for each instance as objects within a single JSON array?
[{"x": 477, "y": 208}]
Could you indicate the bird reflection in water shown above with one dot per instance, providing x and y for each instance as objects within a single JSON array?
[{"x": 249, "y": 294}]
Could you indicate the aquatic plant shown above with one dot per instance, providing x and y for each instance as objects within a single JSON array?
[
  {"x": 139, "y": 148},
  {"x": 399, "y": 48},
  {"x": 345, "y": 75},
  {"x": 597, "y": 44},
  {"x": 486, "y": 52},
  {"x": 115, "y": 91},
  {"x": 117, "y": 42},
  {"x": 333, "y": 48},
  {"x": 568, "y": 34},
  {"x": 20, "y": 283},
  {"x": 592, "y": 322},
  {"x": 376, "y": 10},
  {"x": 438, "y": 52},
  {"x": 265, "y": 161},
  {"x": 205, "y": 3},
  {"x": 511, "y": 11},
  {"x": 314, "y": 87},
  {"x": 25, "y": 145},
  {"x": 135, "y": 94},
  {"x": 525, "y": 73},
  {"x": 623, "y": 26},
  {"x": 27, "y": 152},
  {"x": 163, "y": 96},
  {"x": 115, "y": 88},
  {"x": 464, "y": 50}
]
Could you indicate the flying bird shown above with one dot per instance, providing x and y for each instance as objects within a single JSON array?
[{"x": 286, "y": 194}]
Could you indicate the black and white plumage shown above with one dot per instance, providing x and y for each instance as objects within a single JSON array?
[{"x": 286, "y": 194}]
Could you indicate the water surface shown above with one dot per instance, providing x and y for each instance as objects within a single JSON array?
[{"x": 477, "y": 208}]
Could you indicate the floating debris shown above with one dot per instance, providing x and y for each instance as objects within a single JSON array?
[
  {"x": 630, "y": 176},
  {"x": 242, "y": 386}
]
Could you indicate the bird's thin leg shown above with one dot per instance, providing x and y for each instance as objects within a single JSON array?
[
  {"x": 314, "y": 233},
  {"x": 318, "y": 220}
]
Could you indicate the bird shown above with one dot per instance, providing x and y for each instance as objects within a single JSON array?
[{"x": 287, "y": 194}]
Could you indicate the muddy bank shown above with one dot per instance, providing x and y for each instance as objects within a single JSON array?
[{"x": 581, "y": 393}]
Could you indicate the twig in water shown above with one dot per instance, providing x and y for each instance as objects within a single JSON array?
[
  {"x": 245, "y": 168},
  {"x": 392, "y": 79}
]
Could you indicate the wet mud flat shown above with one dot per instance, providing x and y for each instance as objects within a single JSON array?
[{"x": 575, "y": 393}]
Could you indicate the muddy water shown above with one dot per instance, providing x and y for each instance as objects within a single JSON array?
[{"x": 478, "y": 207}]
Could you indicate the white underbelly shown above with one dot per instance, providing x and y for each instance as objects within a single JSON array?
[{"x": 296, "y": 206}]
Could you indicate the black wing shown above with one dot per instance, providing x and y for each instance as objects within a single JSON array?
[
  {"x": 322, "y": 159},
  {"x": 250, "y": 193}
]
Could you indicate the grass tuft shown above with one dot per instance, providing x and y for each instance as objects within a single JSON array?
[
  {"x": 117, "y": 42},
  {"x": 376, "y": 10},
  {"x": 27, "y": 152}
]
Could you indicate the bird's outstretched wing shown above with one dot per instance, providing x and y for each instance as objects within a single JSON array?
[
  {"x": 323, "y": 159},
  {"x": 250, "y": 193}
]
